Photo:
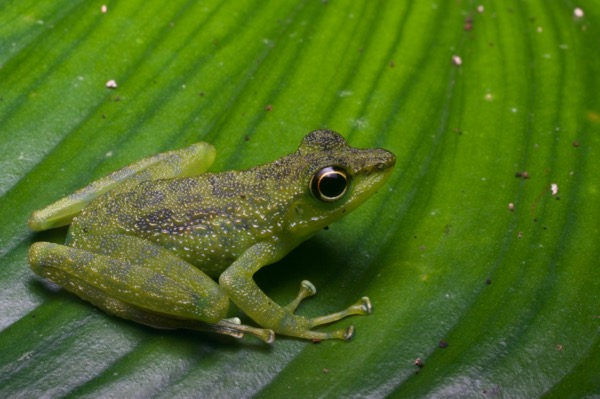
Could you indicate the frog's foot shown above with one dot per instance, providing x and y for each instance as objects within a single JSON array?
[
  {"x": 361, "y": 307},
  {"x": 307, "y": 289}
]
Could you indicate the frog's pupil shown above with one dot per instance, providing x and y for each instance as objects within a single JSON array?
[{"x": 329, "y": 184}]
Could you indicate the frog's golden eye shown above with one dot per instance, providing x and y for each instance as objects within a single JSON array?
[{"x": 329, "y": 184}]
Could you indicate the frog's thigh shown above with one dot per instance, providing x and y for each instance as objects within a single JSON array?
[
  {"x": 133, "y": 272},
  {"x": 189, "y": 161}
]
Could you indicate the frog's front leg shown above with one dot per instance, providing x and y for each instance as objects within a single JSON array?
[{"x": 242, "y": 290}]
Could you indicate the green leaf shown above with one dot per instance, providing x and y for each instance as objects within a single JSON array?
[{"x": 514, "y": 294}]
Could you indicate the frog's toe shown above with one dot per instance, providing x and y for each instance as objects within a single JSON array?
[
  {"x": 365, "y": 305},
  {"x": 349, "y": 333},
  {"x": 346, "y": 334},
  {"x": 307, "y": 289}
]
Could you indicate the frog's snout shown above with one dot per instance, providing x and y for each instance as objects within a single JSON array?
[
  {"x": 383, "y": 160},
  {"x": 389, "y": 161}
]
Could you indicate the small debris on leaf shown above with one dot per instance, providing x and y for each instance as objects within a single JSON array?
[
  {"x": 111, "y": 84},
  {"x": 468, "y": 24}
]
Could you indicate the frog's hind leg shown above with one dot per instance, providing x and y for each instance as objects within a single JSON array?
[
  {"x": 189, "y": 161},
  {"x": 152, "y": 287}
]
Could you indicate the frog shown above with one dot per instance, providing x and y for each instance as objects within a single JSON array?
[{"x": 165, "y": 243}]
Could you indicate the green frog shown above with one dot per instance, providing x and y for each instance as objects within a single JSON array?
[{"x": 165, "y": 244}]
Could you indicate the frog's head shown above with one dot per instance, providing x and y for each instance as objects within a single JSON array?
[{"x": 336, "y": 178}]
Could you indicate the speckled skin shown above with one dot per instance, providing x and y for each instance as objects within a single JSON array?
[{"x": 144, "y": 240}]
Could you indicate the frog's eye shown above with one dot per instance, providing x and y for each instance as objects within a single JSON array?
[{"x": 329, "y": 184}]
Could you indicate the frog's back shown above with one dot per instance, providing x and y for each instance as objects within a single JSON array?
[{"x": 209, "y": 220}]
